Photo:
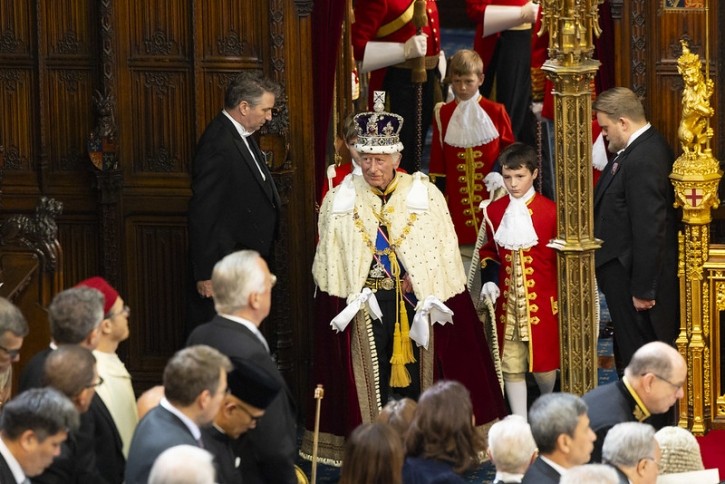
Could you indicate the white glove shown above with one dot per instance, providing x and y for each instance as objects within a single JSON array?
[
  {"x": 416, "y": 46},
  {"x": 491, "y": 291},
  {"x": 529, "y": 12}
]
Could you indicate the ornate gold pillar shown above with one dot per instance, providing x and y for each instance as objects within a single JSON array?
[
  {"x": 572, "y": 25},
  {"x": 695, "y": 176}
]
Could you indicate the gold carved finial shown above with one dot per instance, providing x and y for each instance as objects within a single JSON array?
[
  {"x": 572, "y": 25},
  {"x": 696, "y": 172}
]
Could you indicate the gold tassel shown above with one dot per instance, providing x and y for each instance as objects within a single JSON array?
[
  {"x": 405, "y": 341},
  {"x": 399, "y": 376}
]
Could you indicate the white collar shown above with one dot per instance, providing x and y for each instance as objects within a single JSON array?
[
  {"x": 516, "y": 230},
  {"x": 241, "y": 129},
  {"x": 12, "y": 462},
  {"x": 250, "y": 326},
  {"x": 637, "y": 134},
  {"x": 507, "y": 477},
  {"x": 190, "y": 424}
]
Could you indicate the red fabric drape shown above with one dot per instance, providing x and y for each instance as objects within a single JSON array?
[{"x": 327, "y": 18}]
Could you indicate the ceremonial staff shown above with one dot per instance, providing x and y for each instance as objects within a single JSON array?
[
  {"x": 418, "y": 76},
  {"x": 319, "y": 393}
]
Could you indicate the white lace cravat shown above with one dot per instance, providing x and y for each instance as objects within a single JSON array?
[
  {"x": 516, "y": 230},
  {"x": 470, "y": 125}
]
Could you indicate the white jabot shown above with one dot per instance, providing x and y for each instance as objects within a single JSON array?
[
  {"x": 599, "y": 153},
  {"x": 190, "y": 424},
  {"x": 417, "y": 200},
  {"x": 244, "y": 134},
  {"x": 430, "y": 311},
  {"x": 516, "y": 230},
  {"x": 470, "y": 125},
  {"x": 250, "y": 326},
  {"x": 354, "y": 303}
]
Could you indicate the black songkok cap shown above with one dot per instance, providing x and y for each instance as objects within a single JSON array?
[{"x": 252, "y": 384}]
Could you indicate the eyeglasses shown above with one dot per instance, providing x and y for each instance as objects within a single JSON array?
[
  {"x": 255, "y": 419},
  {"x": 96, "y": 384},
  {"x": 676, "y": 387},
  {"x": 657, "y": 464},
  {"x": 11, "y": 353},
  {"x": 126, "y": 311}
]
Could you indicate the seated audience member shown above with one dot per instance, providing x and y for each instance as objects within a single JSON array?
[
  {"x": 680, "y": 450},
  {"x": 71, "y": 369},
  {"x": 32, "y": 427},
  {"x": 442, "y": 442},
  {"x": 590, "y": 474},
  {"x": 242, "y": 291},
  {"x": 511, "y": 448},
  {"x": 374, "y": 453},
  {"x": 195, "y": 382},
  {"x": 13, "y": 328},
  {"x": 631, "y": 448},
  {"x": 75, "y": 316},
  {"x": 251, "y": 390},
  {"x": 651, "y": 385},
  {"x": 183, "y": 464},
  {"x": 398, "y": 414},
  {"x": 117, "y": 391},
  {"x": 560, "y": 427}
]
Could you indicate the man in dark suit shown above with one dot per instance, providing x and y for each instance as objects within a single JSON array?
[
  {"x": 71, "y": 369},
  {"x": 561, "y": 430},
  {"x": 251, "y": 390},
  {"x": 75, "y": 316},
  {"x": 636, "y": 266},
  {"x": 235, "y": 204},
  {"x": 242, "y": 286},
  {"x": 32, "y": 427},
  {"x": 195, "y": 382},
  {"x": 652, "y": 383}
]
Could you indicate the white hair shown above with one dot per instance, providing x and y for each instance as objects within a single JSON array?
[
  {"x": 511, "y": 444},
  {"x": 234, "y": 279},
  {"x": 183, "y": 464},
  {"x": 628, "y": 443}
]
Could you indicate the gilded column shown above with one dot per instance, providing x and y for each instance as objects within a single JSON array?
[
  {"x": 572, "y": 25},
  {"x": 695, "y": 176}
]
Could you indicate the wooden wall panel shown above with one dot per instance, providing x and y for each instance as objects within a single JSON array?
[
  {"x": 68, "y": 30},
  {"x": 161, "y": 109},
  {"x": 230, "y": 31},
  {"x": 81, "y": 249},
  {"x": 17, "y": 124},
  {"x": 160, "y": 29},
  {"x": 16, "y": 30},
  {"x": 156, "y": 256}
]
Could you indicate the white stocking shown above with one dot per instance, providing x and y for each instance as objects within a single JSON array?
[
  {"x": 516, "y": 395},
  {"x": 546, "y": 381}
]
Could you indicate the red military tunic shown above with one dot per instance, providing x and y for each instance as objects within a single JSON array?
[
  {"x": 391, "y": 21},
  {"x": 540, "y": 275},
  {"x": 464, "y": 174},
  {"x": 476, "y": 11}
]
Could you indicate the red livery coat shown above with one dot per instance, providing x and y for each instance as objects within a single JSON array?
[
  {"x": 540, "y": 271},
  {"x": 465, "y": 189}
]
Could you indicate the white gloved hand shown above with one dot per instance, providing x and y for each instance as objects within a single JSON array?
[
  {"x": 529, "y": 12},
  {"x": 491, "y": 291},
  {"x": 416, "y": 46}
]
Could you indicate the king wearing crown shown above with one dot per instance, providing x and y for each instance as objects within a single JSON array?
[{"x": 394, "y": 315}]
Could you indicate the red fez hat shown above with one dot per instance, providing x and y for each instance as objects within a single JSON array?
[{"x": 102, "y": 285}]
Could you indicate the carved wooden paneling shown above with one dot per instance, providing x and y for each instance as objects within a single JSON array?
[
  {"x": 230, "y": 30},
  {"x": 68, "y": 29},
  {"x": 161, "y": 134},
  {"x": 156, "y": 266},
  {"x": 16, "y": 38},
  {"x": 73, "y": 118},
  {"x": 80, "y": 242},
  {"x": 160, "y": 30},
  {"x": 17, "y": 121}
]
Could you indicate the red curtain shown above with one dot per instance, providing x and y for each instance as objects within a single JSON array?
[{"x": 327, "y": 18}]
